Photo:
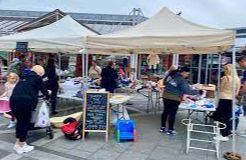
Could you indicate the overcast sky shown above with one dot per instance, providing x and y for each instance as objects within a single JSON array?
[{"x": 213, "y": 13}]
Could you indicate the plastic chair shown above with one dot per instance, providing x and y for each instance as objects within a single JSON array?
[{"x": 126, "y": 130}]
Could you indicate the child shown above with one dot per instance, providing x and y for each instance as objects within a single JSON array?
[{"x": 12, "y": 80}]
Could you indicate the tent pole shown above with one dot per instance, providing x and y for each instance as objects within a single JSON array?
[
  {"x": 133, "y": 64},
  {"x": 136, "y": 65},
  {"x": 199, "y": 69},
  {"x": 211, "y": 68},
  {"x": 219, "y": 76},
  {"x": 233, "y": 99},
  {"x": 206, "y": 70},
  {"x": 175, "y": 61},
  {"x": 86, "y": 63},
  {"x": 83, "y": 64},
  {"x": 59, "y": 63}
]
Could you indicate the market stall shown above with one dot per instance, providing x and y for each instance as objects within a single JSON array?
[
  {"x": 65, "y": 36},
  {"x": 166, "y": 33}
]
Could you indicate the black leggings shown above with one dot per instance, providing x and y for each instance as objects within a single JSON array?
[
  {"x": 22, "y": 109},
  {"x": 53, "y": 100},
  {"x": 170, "y": 110},
  {"x": 223, "y": 114}
]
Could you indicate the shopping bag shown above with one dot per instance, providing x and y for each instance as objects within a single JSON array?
[{"x": 43, "y": 116}]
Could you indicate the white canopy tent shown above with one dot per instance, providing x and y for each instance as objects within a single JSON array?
[
  {"x": 65, "y": 35},
  {"x": 165, "y": 32}
]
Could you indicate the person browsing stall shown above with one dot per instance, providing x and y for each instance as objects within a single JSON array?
[
  {"x": 9, "y": 86},
  {"x": 109, "y": 77},
  {"x": 176, "y": 86},
  {"x": 242, "y": 63},
  {"x": 223, "y": 112},
  {"x": 95, "y": 70},
  {"x": 23, "y": 101},
  {"x": 52, "y": 83}
]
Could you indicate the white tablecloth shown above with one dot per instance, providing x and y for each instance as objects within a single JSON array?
[{"x": 70, "y": 89}]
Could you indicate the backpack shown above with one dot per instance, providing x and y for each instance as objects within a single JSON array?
[{"x": 72, "y": 129}]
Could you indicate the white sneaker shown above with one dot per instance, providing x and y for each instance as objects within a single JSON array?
[
  {"x": 24, "y": 149},
  {"x": 27, "y": 148},
  {"x": 221, "y": 138},
  {"x": 11, "y": 124}
]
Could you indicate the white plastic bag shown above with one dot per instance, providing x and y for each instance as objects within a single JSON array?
[{"x": 43, "y": 116}]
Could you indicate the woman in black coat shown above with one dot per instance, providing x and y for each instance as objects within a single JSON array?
[
  {"x": 109, "y": 78},
  {"x": 52, "y": 83},
  {"x": 23, "y": 101}
]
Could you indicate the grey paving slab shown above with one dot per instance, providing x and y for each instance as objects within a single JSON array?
[
  {"x": 40, "y": 155},
  {"x": 27, "y": 158},
  {"x": 43, "y": 141},
  {"x": 143, "y": 147},
  {"x": 12, "y": 156},
  {"x": 132, "y": 155},
  {"x": 118, "y": 147},
  {"x": 151, "y": 145},
  {"x": 90, "y": 145},
  {"x": 4, "y": 153},
  {"x": 105, "y": 155},
  {"x": 163, "y": 153},
  {"x": 6, "y": 146},
  {"x": 65, "y": 153}
]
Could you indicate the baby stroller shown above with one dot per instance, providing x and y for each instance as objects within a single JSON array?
[{"x": 44, "y": 123}]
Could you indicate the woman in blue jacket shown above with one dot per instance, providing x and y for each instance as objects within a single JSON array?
[{"x": 176, "y": 86}]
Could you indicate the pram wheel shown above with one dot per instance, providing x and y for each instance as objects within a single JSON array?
[{"x": 50, "y": 133}]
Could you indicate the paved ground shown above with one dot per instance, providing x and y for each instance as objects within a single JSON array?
[{"x": 151, "y": 144}]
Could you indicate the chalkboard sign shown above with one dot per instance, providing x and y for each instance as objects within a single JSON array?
[
  {"x": 96, "y": 112},
  {"x": 22, "y": 47}
]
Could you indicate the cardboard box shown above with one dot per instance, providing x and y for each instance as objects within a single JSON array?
[{"x": 210, "y": 88}]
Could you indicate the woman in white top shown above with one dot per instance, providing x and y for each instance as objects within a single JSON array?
[
  {"x": 224, "y": 111},
  {"x": 94, "y": 71}
]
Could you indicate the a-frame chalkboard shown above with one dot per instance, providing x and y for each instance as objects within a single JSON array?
[{"x": 96, "y": 113}]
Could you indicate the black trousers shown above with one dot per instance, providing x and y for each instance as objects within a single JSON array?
[
  {"x": 22, "y": 109},
  {"x": 53, "y": 100},
  {"x": 170, "y": 110},
  {"x": 223, "y": 114}
]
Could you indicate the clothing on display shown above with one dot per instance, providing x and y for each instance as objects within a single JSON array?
[
  {"x": 153, "y": 60},
  {"x": 94, "y": 72}
]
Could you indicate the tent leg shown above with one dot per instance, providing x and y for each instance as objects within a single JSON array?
[
  {"x": 199, "y": 69},
  {"x": 233, "y": 100},
  {"x": 82, "y": 65},
  {"x": 219, "y": 75},
  {"x": 206, "y": 71}
]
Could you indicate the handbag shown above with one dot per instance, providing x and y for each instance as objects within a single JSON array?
[{"x": 43, "y": 119}]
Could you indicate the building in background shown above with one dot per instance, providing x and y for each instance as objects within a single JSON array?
[{"x": 12, "y": 21}]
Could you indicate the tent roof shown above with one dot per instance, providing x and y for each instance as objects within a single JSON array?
[
  {"x": 165, "y": 32},
  {"x": 240, "y": 42},
  {"x": 64, "y": 35}
]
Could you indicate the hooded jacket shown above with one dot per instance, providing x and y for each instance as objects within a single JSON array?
[
  {"x": 27, "y": 89},
  {"x": 176, "y": 86}
]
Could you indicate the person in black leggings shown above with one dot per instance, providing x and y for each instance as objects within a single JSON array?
[
  {"x": 52, "y": 83},
  {"x": 23, "y": 101},
  {"x": 175, "y": 86}
]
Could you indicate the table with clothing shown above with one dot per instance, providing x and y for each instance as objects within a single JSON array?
[
  {"x": 73, "y": 89},
  {"x": 198, "y": 104}
]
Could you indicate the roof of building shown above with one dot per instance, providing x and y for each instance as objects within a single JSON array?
[{"x": 12, "y": 21}]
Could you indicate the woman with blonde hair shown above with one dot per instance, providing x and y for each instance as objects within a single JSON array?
[
  {"x": 223, "y": 112},
  {"x": 23, "y": 101},
  {"x": 12, "y": 80}
]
